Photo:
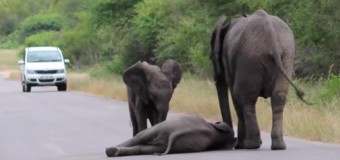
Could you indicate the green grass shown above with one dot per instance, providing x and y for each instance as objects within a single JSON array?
[
  {"x": 8, "y": 59},
  {"x": 9, "y": 63},
  {"x": 111, "y": 86},
  {"x": 320, "y": 121}
]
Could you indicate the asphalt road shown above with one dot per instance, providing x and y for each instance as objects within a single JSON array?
[{"x": 50, "y": 125}]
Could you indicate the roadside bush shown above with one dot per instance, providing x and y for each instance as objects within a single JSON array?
[
  {"x": 112, "y": 12},
  {"x": 8, "y": 23},
  {"x": 79, "y": 46},
  {"x": 39, "y": 23},
  {"x": 98, "y": 71},
  {"x": 108, "y": 68},
  {"x": 188, "y": 43},
  {"x": 115, "y": 66},
  {"x": 169, "y": 29},
  {"x": 10, "y": 41},
  {"x": 141, "y": 41},
  {"x": 80, "y": 43},
  {"x": 45, "y": 38},
  {"x": 331, "y": 89}
]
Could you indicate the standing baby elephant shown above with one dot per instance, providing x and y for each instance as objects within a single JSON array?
[
  {"x": 149, "y": 91},
  {"x": 181, "y": 133}
]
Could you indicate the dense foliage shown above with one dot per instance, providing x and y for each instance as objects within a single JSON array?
[{"x": 112, "y": 34}]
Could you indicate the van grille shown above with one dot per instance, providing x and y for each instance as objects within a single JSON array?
[
  {"x": 46, "y": 71},
  {"x": 46, "y": 80}
]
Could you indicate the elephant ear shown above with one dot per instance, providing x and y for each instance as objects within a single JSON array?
[
  {"x": 222, "y": 126},
  {"x": 135, "y": 78},
  {"x": 216, "y": 41},
  {"x": 172, "y": 71}
]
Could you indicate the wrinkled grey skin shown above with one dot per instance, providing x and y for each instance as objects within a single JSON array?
[
  {"x": 179, "y": 134},
  {"x": 253, "y": 56},
  {"x": 149, "y": 91}
]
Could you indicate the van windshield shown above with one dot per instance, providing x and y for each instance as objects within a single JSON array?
[{"x": 44, "y": 56}]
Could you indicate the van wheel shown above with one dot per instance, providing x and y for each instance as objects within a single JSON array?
[
  {"x": 62, "y": 87},
  {"x": 26, "y": 87}
]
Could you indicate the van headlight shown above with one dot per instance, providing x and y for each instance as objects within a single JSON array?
[
  {"x": 30, "y": 71},
  {"x": 61, "y": 71}
]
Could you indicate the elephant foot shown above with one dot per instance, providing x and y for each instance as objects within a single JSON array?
[
  {"x": 112, "y": 152},
  {"x": 252, "y": 144},
  {"x": 240, "y": 144},
  {"x": 278, "y": 145}
]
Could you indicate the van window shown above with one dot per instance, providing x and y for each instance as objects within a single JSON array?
[{"x": 44, "y": 56}]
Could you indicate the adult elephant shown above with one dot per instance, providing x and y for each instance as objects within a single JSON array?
[
  {"x": 181, "y": 133},
  {"x": 253, "y": 56},
  {"x": 149, "y": 91}
]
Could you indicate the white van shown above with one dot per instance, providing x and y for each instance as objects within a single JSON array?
[{"x": 43, "y": 66}]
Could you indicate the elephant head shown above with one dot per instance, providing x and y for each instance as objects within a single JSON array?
[
  {"x": 221, "y": 126},
  {"x": 225, "y": 131},
  {"x": 173, "y": 71},
  {"x": 149, "y": 81},
  {"x": 151, "y": 88}
]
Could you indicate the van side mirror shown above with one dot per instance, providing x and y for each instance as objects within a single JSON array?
[
  {"x": 21, "y": 62},
  {"x": 66, "y": 61}
]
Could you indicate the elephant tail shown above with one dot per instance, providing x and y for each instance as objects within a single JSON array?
[
  {"x": 278, "y": 62},
  {"x": 216, "y": 42}
]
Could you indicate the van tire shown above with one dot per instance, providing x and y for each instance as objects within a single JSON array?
[
  {"x": 62, "y": 87},
  {"x": 26, "y": 87}
]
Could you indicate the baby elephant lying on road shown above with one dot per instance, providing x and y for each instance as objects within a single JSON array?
[{"x": 179, "y": 134}]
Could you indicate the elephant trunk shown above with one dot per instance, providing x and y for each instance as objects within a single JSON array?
[
  {"x": 162, "y": 114},
  {"x": 162, "y": 111}
]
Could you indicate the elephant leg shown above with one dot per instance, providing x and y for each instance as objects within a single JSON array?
[
  {"x": 159, "y": 113},
  {"x": 241, "y": 130},
  {"x": 134, "y": 150},
  {"x": 142, "y": 137},
  {"x": 245, "y": 92},
  {"x": 278, "y": 101},
  {"x": 131, "y": 142},
  {"x": 162, "y": 115},
  {"x": 252, "y": 140},
  {"x": 153, "y": 117},
  {"x": 111, "y": 152},
  {"x": 141, "y": 116},
  {"x": 248, "y": 129},
  {"x": 133, "y": 121},
  {"x": 223, "y": 98},
  {"x": 129, "y": 147}
]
